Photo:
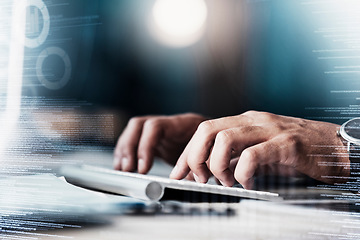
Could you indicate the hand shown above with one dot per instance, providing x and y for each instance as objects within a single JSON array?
[
  {"x": 235, "y": 148},
  {"x": 154, "y": 136}
]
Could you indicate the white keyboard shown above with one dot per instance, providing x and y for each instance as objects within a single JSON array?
[{"x": 149, "y": 187}]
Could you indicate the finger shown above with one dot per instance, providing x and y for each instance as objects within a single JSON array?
[
  {"x": 274, "y": 151},
  {"x": 229, "y": 141},
  {"x": 181, "y": 168},
  {"x": 200, "y": 147},
  {"x": 151, "y": 134},
  {"x": 125, "y": 154},
  {"x": 201, "y": 143}
]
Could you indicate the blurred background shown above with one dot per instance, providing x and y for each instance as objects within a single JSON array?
[
  {"x": 90, "y": 65},
  {"x": 212, "y": 57}
]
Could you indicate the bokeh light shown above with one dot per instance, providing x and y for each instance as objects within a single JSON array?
[{"x": 179, "y": 23}]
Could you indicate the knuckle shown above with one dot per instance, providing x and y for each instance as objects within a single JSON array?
[
  {"x": 206, "y": 126},
  {"x": 278, "y": 126},
  {"x": 294, "y": 149},
  {"x": 266, "y": 117},
  {"x": 292, "y": 141},
  {"x": 152, "y": 124},
  {"x": 190, "y": 115},
  {"x": 258, "y": 115},
  {"x": 224, "y": 137},
  {"x": 250, "y": 113},
  {"x": 250, "y": 155},
  {"x": 135, "y": 121}
]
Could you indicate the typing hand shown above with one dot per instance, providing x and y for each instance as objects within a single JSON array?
[
  {"x": 154, "y": 136},
  {"x": 235, "y": 148}
]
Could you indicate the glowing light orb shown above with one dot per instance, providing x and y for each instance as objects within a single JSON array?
[{"x": 179, "y": 23}]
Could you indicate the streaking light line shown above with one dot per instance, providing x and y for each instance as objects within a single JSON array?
[{"x": 15, "y": 69}]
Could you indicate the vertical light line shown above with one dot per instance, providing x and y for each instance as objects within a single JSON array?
[{"x": 15, "y": 70}]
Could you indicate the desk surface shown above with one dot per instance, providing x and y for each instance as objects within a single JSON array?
[
  {"x": 174, "y": 220},
  {"x": 252, "y": 221}
]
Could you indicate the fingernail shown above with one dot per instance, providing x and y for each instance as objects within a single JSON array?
[
  {"x": 174, "y": 172},
  {"x": 141, "y": 165},
  {"x": 125, "y": 163}
]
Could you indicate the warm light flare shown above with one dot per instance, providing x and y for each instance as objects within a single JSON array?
[{"x": 179, "y": 23}]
